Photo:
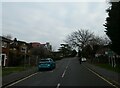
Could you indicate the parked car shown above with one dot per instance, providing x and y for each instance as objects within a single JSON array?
[
  {"x": 84, "y": 59},
  {"x": 46, "y": 63}
]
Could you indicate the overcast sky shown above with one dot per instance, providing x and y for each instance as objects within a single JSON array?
[{"x": 51, "y": 21}]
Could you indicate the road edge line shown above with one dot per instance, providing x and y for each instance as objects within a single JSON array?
[
  {"x": 100, "y": 76},
  {"x": 19, "y": 80}
]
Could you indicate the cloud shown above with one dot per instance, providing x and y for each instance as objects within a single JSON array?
[{"x": 51, "y": 22}]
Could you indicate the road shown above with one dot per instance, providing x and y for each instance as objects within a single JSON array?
[{"x": 68, "y": 72}]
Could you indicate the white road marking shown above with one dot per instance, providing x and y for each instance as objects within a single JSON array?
[
  {"x": 22, "y": 79},
  {"x": 101, "y": 77},
  {"x": 66, "y": 66},
  {"x": 65, "y": 69},
  {"x": 63, "y": 73},
  {"x": 58, "y": 85}
]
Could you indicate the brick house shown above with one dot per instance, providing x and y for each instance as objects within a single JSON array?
[
  {"x": 4, "y": 53},
  {"x": 19, "y": 52},
  {"x": 35, "y": 44}
]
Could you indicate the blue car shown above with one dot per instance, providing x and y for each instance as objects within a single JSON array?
[{"x": 46, "y": 63}]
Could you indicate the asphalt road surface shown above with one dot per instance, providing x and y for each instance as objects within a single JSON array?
[{"x": 68, "y": 72}]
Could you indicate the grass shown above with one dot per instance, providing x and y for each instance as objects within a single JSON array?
[
  {"x": 10, "y": 70},
  {"x": 109, "y": 67}
]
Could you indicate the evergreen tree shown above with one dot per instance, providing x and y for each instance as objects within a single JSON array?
[{"x": 113, "y": 26}]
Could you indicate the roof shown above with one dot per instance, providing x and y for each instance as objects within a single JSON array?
[{"x": 5, "y": 39}]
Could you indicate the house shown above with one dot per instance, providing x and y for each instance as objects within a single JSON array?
[
  {"x": 4, "y": 53},
  {"x": 35, "y": 44},
  {"x": 102, "y": 50},
  {"x": 105, "y": 55},
  {"x": 15, "y": 52},
  {"x": 19, "y": 52},
  {"x": 41, "y": 49},
  {"x": 105, "y": 50}
]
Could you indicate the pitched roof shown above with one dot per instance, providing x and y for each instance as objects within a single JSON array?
[{"x": 5, "y": 39}]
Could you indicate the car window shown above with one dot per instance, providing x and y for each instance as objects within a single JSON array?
[
  {"x": 51, "y": 60},
  {"x": 44, "y": 60}
]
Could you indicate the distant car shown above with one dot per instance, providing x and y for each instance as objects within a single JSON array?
[
  {"x": 83, "y": 59},
  {"x": 46, "y": 63}
]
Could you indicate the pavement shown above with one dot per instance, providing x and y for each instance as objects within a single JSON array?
[
  {"x": 109, "y": 75},
  {"x": 6, "y": 80},
  {"x": 112, "y": 76}
]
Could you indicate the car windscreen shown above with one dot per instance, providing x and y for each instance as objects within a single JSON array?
[{"x": 44, "y": 60}]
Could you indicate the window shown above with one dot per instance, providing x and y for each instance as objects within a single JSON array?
[
  {"x": 23, "y": 49},
  {"x": 4, "y": 44}
]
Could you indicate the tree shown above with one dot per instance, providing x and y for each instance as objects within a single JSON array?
[
  {"x": 79, "y": 38},
  {"x": 74, "y": 53},
  {"x": 65, "y": 50},
  {"x": 86, "y": 42},
  {"x": 38, "y": 51},
  {"x": 112, "y": 26},
  {"x": 97, "y": 40}
]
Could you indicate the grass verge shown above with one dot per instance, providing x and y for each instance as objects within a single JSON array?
[
  {"x": 109, "y": 67},
  {"x": 10, "y": 70}
]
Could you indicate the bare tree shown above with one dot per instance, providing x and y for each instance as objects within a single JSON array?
[
  {"x": 38, "y": 51},
  {"x": 79, "y": 38},
  {"x": 97, "y": 40}
]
